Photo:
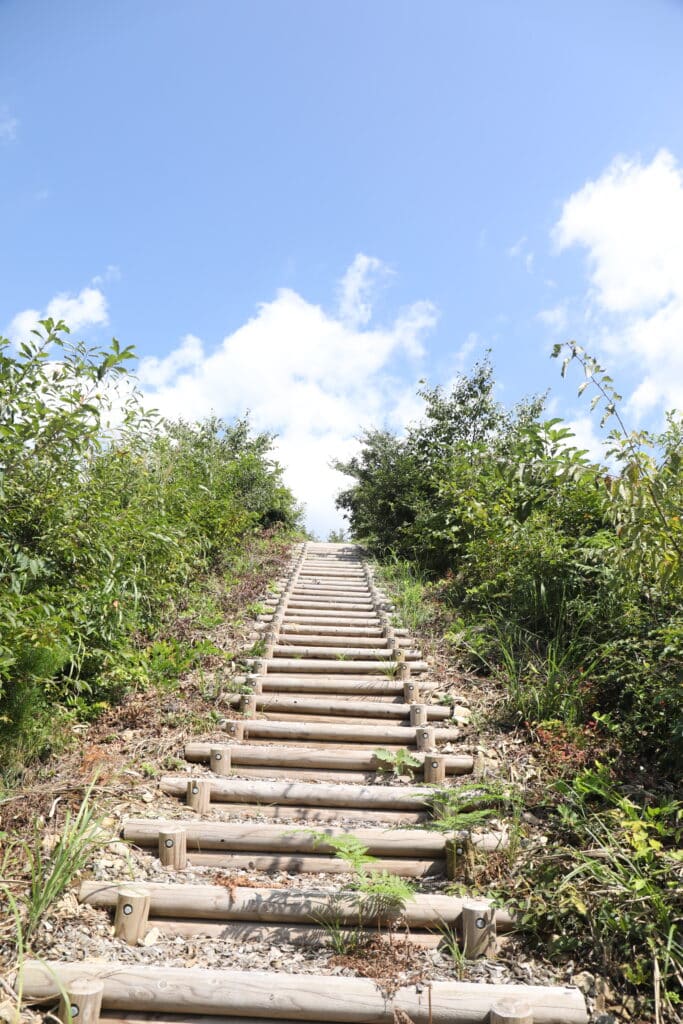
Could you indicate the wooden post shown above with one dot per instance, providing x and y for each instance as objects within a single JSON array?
[
  {"x": 220, "y": 760},
  {"x": 425, "y": 738},
  {"x": 478, "y": 929},
  {"x": 235, "y": 729},
  {"x": 132, "y": 912},
  {"x": 479, "y": 765},
  {"x": 83, "y": 1001},
  {"x": 173, "y": 848},
  {"x": 248, "y": 705},
  {"x": 460, "y": 859},
  {"x": 418, "y": 714},
  {"x": 511, "y": 1011},
  {"x": 435, "y": 768},
  {"x": 404, "y": 673},
  {"x": 255, "y": 683},
  {"x": 411, "y": 691},
  {"x": 199, "y": 795}
]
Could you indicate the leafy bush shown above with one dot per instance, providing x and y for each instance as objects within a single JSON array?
[
  {"x": 614, "y": 875},
  {"x": 566, "y": 577},
  {"x": 108, "y": 516}
]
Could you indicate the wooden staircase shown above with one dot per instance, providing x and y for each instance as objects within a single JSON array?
[{"x": 334, "y": 681}]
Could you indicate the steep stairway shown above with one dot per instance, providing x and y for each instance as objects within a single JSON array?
[{"x": 335, "y": 695}]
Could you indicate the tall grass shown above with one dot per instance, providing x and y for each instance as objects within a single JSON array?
[{"x": 407, "y": 587}]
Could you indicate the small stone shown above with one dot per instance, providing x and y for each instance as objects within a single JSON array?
[
  {"x": 151, "y": 938},
  {"x": 147, "y": 797},
  {"x": 585, "y": 981}
]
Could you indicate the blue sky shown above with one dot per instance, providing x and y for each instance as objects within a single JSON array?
[{"x": 303, "y": 207}]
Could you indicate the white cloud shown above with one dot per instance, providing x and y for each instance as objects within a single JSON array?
[
  {"x": 8, "y": 125},
  {"x": 356, "y": 287},
  {"x": 313, "y": 377},
  {"x": 111, "y": 273},
  {"x": 520, "y": 251},
  {"x": 87, "y": 309},
  {"x": 630, "y": 221},
  {"x": 555, "y": 318},
  {"x": 586, "y": 438}
]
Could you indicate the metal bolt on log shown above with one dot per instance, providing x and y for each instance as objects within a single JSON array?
[
  {"x": 404, "y": 672},
  {"x": 425, "y": 738},
  {"x": 418, "y": 714},
  {"x": 478, "y": 930},
  {"x": 435, "y": 768},
  {"x": 132, "y": 913},
  {"x": 173, "y": 848},
  {"x": 82, "y": 1002},
  {"x": 248, "y": 705},
  {"x": 411, "y": 690},
  {"x": 460, "y": 859},
  {"x": 234, "y": 729},
  {"x": 220, "y": 760},
  {"x": 199, "y": 795}
]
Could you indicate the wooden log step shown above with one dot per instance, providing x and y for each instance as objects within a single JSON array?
[
  {"x": 333, "y": 665},
  {"x": 295, "y": 996},
  {"x": 321, "y": 615},
  {"x": 119, "y": 1017},
  {"x": 316, "y": 587},
  {"x": 308, "y": 936},
  {"x": 321, "y": 815},
  {"x": 228, "y": 789},
  {"x": 321, "y": 623},
  {"x": 367, "y": 682},
  {"x": 290, "y": 906},
  {"x": 237, "y": 837},
  {"x": 304, "y": 629},
  {"x": 323, "y": 573},
  {"x": 246, "y": 791},
  {"x": 334, "y": 604},
  {"x": 273, "y": 772},
  {"x": 305, "y": 718},
  {"x": 332, "y": 684},
  {"x": 331, "y": 760},
  {"x": 379, "y": 734},
  {"x": 296, "y": 640},
  {"x": 341, "y": 705},
  {"x": 333, "y": 588},
  {"x": 339, "y": 653}
]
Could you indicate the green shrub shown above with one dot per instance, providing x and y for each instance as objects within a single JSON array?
[{"x": 106, "y": 529}]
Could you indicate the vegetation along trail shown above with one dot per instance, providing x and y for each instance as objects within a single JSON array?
[
  {"x": 294, "y": 799},
  {"x": 295, "y": 825}
]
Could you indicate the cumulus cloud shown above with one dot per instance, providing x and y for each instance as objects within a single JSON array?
[
  {"x": 87, "y": 309},
  {"x": 630, "y": 222},
  {"x": 314, "y": 377}
]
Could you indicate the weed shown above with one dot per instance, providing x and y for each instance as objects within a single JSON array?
[
  {"x": 347, "y": 848},
  {"x": 464, "y": 807},
  {"x": 609, "y": 891},
  {"x": 453, "y": 947},
  {"x": 400, "y": 761},
  {"x": 255, "y": 609},
  {"x": 407, "y": 587}
]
